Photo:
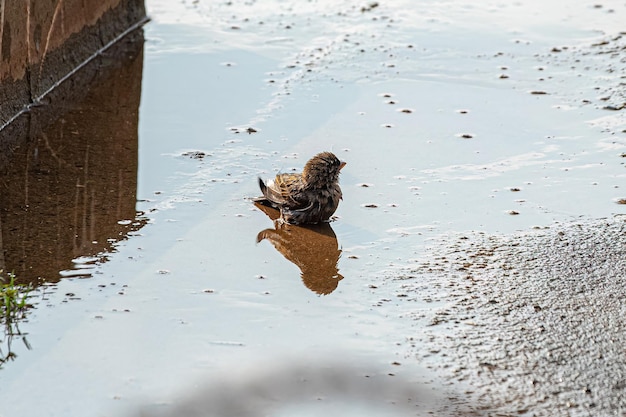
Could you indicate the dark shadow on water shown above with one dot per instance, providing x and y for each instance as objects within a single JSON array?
[
  {"x": 312, "y": 248},
  {"x": 68, "y": 177}
]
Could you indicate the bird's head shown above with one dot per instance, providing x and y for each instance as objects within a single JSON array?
[{"x": 322, "y": 170}]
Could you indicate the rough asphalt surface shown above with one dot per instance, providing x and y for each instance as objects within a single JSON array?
[{"x": 534, "y": 324}]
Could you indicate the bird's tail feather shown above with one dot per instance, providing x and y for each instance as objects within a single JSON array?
[
  {"x": 262, "y": 186},
  {"x": 263, "y": 200}
]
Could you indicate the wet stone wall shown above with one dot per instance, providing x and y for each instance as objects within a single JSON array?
[{"x": 42, "y": 42}]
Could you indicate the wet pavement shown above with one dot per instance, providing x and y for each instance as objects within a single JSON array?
[
  {"x": 482, "y": 131},
  {"x": 531, "y": 322}
]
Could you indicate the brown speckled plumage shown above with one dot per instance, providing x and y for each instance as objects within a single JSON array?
[{"x": 310, "y": 197}]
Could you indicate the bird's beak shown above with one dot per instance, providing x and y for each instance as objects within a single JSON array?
[{"x": 342, "y": 164}]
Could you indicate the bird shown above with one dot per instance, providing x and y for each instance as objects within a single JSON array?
[{"x": 309, "y": 197}]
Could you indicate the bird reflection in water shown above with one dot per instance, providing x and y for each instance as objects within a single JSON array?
[{"x": 312, "y": 248}]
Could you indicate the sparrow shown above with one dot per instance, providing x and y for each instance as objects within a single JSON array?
[{"x": 309, "y": 197}]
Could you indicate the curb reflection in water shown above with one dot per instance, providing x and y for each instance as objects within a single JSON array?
[
  {"x": 312, "y": 248},
  {"x": 68, "y": 181},
  {"x": 68, "y": 188}
]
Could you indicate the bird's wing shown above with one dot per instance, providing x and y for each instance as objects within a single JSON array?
[{"x": 283, "y": 189}]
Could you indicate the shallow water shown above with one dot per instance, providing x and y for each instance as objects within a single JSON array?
[{"x": 432, "y": 108}]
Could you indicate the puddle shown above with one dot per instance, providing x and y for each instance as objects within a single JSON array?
[{"x": 432, "y": 106}]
